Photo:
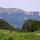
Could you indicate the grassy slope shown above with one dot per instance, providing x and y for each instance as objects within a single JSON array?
[{"x": 5, "y": 35}]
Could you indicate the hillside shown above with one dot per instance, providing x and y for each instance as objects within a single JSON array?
[
  {"x": 4, "y": 25},
  {"x": 31, "y": 25},
  {"x": 16, "y": 17}
]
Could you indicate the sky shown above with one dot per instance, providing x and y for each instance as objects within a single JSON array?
[{"x": 27, "y": 5}]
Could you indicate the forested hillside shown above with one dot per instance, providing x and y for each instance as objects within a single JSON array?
[
  {"x": 31, "y": 25},
  {"x": 28, "y": 26},
  {"x": 4, "y": 25}
]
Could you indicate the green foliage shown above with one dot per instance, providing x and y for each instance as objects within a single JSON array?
[
  {"x": 4, "y": 25},
  {"x": 10, "y": 38},
  {"x": 5, "y": 35},
  {"x": 31, "y": 25}
]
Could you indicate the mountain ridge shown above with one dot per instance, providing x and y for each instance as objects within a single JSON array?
[{"x": 15, "y": 16}]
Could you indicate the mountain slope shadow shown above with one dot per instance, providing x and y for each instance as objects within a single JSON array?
[{"x": 4, "y": 25}]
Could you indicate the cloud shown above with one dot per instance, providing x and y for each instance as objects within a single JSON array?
[
  {"x": 28, "y": 13},
  {"x": 25, "y": 18},
  {"x": 39, "y": 14},
  {"x": 15, "y": 0},
  {"x": 0, "y": 17},
  {"x": 15, "y": 25}
]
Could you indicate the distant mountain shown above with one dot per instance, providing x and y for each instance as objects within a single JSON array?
[
  {"x": 35, "y": 16},
  {"x": 16, "y": 17}
]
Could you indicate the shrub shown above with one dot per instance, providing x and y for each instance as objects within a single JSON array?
[{"x": 31, "y": 25}]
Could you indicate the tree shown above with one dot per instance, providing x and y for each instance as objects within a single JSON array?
[
  {"x": 31, "y": 25},
  {"x": 4, "y": 25}
]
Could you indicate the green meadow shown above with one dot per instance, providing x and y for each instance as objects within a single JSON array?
[{"x": 7, "y": 35}]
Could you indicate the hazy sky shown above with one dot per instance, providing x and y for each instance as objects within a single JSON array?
[{"x": 27, "y": 5}]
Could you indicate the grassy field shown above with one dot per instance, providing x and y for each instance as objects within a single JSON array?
[{"x": 6, "y": 35}]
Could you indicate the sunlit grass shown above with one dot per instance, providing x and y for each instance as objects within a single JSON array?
[{"x": 5, "y": 35}]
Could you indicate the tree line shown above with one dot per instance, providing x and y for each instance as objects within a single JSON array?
[
  {"x": 31, "y": 25},
  {"x": 28, "y": 26}
]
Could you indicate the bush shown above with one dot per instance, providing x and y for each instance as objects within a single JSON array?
[
  {"x": 31, "y": 25},
  {"x": 10, "y": 38}
]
